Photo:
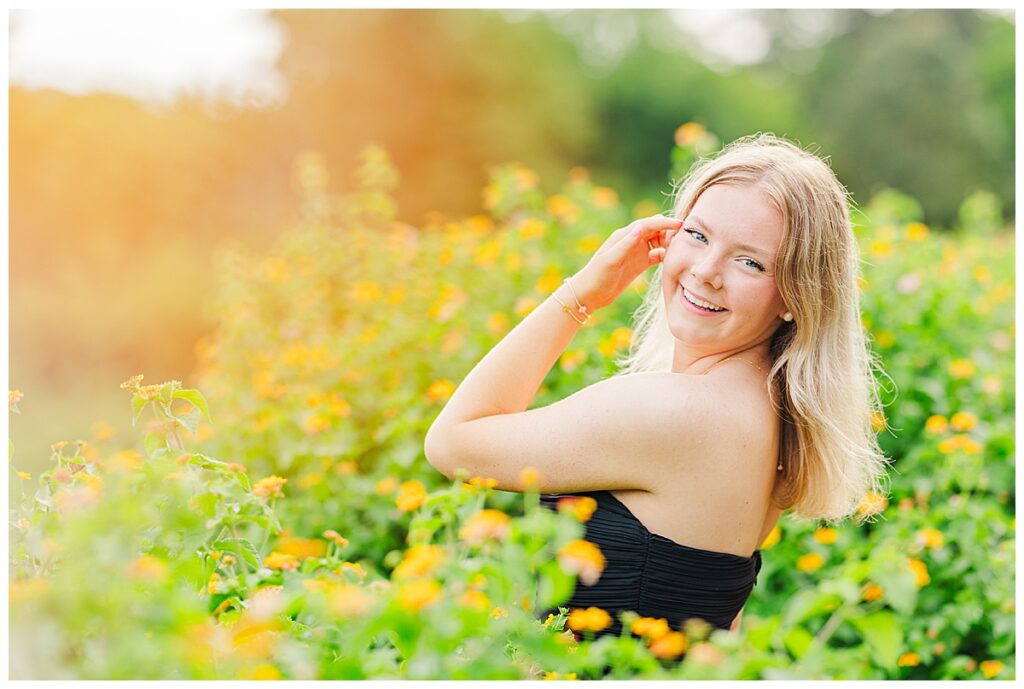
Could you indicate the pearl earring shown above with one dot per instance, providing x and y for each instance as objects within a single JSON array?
[{"x": 787, "y": 317}]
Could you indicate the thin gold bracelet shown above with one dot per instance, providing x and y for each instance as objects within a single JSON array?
[{"x": 580, "y": 307}]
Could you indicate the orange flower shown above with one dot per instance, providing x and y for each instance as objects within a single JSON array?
[
  {"x": 418, "y": 594},
  {"x": 872, "y": 592},
  {"x": 336, "y": 538},
  {"x": 529, "y": 478},
  {"x": 936, "y": 423},
  {"x": 582, "y": 558},
  {"x": 582, "y": 508},
  {"x": 386, "y": 486},
  {"x": 484, "y": 525},
  {"x": 281, "y": 561},
  {"x": 909, "y": 660},
  {"x": 301, "y": 548},
  {"x": 604, "y": 197},
  {"x": 963, "y": 421},
  {"x": 592, "y": 619},
  {"x": 440, "y": 390},
  {"x": 670, "y": 645},
  {"x": 650, "y": 627},
  {"x": 411, "y": 495},
  {"x": 917, "y": 232},
  {"x": 873, "y": 503},
  {"x": 688, "y": 134},
  {"x": 347, "y": 600},
  {"x": 809, "y": 562},
  {"x": 826, "y": 535},
  {"x": 990, "y": 668},
  {"x": 930, "y": 538},
  {"x": 920, "y": 570},
  {"x": 419, "y": 560},
  {"x": 774, "y": 536},
  {"x": 562, "y": 208},
  {"x": 269, "y": 486},
  {"x": 476, "y": 600}
]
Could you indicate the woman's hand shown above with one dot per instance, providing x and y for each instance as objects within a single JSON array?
[{"x": 628, "y": 252}]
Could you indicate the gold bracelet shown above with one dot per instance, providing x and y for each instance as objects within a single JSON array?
[{"x": 579, "y": 307}]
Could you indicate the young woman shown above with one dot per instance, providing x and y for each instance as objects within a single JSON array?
[{"x": 748, "y": 388}]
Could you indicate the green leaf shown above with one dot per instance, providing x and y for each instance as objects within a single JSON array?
[
  {"x": 138, "y": 404},
  {"x": 797, "y": 641},
  {"x": 806, "y": 604},
  {"x": 242, "y": 548},
  {"x": 899, "y": 589},
  {"x": 196, "y": 399},
  {"x": 154, "y": 442},
  {"x": 883, "y": 634},
  {"x": 189, "y": 421},
  {"x": 555, "y": 587}
]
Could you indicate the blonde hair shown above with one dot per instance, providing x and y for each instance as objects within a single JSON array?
[{"x": 821, "y": 381}]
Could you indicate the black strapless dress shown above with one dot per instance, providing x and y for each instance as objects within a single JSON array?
[{"x": 655, "y": 576}]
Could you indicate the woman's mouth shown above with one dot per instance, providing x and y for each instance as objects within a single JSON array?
[{"x": 699, "y": 305}]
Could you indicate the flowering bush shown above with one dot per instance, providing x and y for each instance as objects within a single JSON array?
[{"x": 321, "y": 544}]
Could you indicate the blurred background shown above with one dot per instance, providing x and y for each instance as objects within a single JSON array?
[{"x": 140, "y": 141}]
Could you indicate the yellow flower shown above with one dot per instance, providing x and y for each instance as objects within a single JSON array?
[
  {"x": 488, "y": 252},
  {"x": 826, "y": 535},
  {"x": 917, "y": 232},
  {"x": 532, "y": 228},
  {"x": 301, "y": 548},
  {"x": 529, "y": 478},
  {"x": 961, "y": 368},
  {"x": 419, "y": 561},
  {"x": 881, "y": 248},
  {"x": 482, "y": 482},
  {"x": 498, "y": 613},
  {"x": 24, "y": 476},
  {"x": 604, "y": 197},
  {"x": 592, "y": 619},
  {"x": 650, "y": 627},
  {"x": 353, "y": 567},
  {"x": 269, "y": 486},
  {"x": 281, "y": 561},
  {"x": 920, "y": 571},
  {"x": 963, "y": 421},
  {"x": 476, "y": 600},
  {"x": 484, "y": 525},
  {"x": 440, "y": 390},
  {"x": 582, "y": 508},
  {"x": 688, "y": 134},
  {"x": 930, "y": 538},
  {"x": 365, "y": 290},
  {"x": 313, "y": 478},
  {"x": 317, "y": 423},
  {"x": 774, "y": 536},
  {"x": 582, "y": 558},
  {"x": 349, "y": 601},
  {"x": 873, "y": 503},
  {"x": 524, "y": 305},
  {"x": 261, "y": 671},
  {"x": 492, "y": 196},
  {"x": 990, "y": 668},
  {"x": 418, "y": 594},
  {"x": 588, "y": 245},
  {"x": 885, "y": 338},
  {"x": 809, "y": 562},
  {"x": 386, "y": 486},
  {"x": 550, "y": 280},
  {"x": 526, "y": 178},
  {"x": 909, "y": 660},
  {"x": 936, "y": 423},
  {"x": 149, "y": 567},
  {"x": 15, "y": 396},
  {"x": 411, "y": 494},
  {"x": 872, "y": 592},
  {"x": 622, "y": 337},
  {"x": 101, "y": 430},
  {"x": 668, "y": 646},
  {"x": 878, "y": 421},
  {"x": 497, "y": 323},
  {"x": 562, "y": 208},
  {"x": 571, "y": 359}
]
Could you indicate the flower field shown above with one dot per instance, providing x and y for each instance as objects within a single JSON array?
[{"x": 279, "y": 519}]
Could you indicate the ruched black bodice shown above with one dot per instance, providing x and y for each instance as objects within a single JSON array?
[{"x": 655, "y": 576}]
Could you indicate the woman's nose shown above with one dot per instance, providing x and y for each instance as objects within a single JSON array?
[{"x": 706, "y": 271}]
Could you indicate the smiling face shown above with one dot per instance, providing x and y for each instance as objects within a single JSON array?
[{"x": 724, "y": 254}]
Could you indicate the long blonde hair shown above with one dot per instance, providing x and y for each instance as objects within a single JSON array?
[{"x": 821, "y": 381}]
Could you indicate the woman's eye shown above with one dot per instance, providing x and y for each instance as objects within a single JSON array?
[
  {"x": 751, "y": 262},
  {"x": 694, "y": 232}
]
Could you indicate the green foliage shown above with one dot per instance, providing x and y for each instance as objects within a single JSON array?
[{"x": 323, "y": 546}]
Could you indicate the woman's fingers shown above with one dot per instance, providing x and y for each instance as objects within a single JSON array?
[{"x": 645, "y": 227}]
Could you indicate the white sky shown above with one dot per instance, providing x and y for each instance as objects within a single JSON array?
[{"x": 153, "y": 54}]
